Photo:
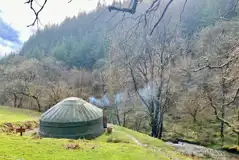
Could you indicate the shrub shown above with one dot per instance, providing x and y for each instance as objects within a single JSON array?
[
  {"x": 232, "y": 149},
  {"x": 116, "y": 140}
]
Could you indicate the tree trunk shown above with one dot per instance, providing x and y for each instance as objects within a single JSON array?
[
  {"x": 160, "y": 134},
  {"x": 154, "y": 117},
  {"x": 160, "y": 127},
  {"x": 194, "y": 118},
  {"x": 138, "y": 125},
  {"x": 117, "y": 114},
  {"x": 124, "y": 120},
  {"x": 19, "y": 105},
  {"x": 223, "y": 107},
  {"x": 238, "y": 139},
  {"x": 223, "y": 116},
  {"x": 222, "y": 126},
  {"x": 15, "y": 100},
  {"x": 238, "y": 122},
  {"x": 38, "y": 103},
  {"x": 154, "y": 127}
]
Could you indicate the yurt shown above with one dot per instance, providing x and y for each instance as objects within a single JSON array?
[{"x": 72, "y": 118}]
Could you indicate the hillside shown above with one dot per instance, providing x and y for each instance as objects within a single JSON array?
[
  {"x": 81, "y": 41},
  {"x": 8, "y": 114},
  {"x": 120, "y": 145},
  {"x": 84, "y": 40}
]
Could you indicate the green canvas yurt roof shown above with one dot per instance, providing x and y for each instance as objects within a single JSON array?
[{"x": 72, "y": 109}]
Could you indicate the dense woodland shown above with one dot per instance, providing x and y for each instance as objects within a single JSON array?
[{"x": 180, "y": 82}]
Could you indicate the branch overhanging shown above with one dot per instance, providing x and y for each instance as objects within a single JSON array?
[
  {"x": 232, "y": 10},
  {"x": 131, "y": 9},
  {"x": 30, "y": 2},
  {"x": 234, "y": 128},
  {"x": 215, "y": 67}
]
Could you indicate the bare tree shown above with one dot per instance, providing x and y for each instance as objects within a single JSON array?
[
  {"x": 115, "y": 84},
  {"x": 146, "y": 62},
  {"x": 23, "y": 80},
  {"x": 193, "y": 103},
  {"x": 221, "y": 45},
  {"x": 226, "y": 81},
  {"x": 56, "y": 91},
  {"x": 216, "y": 110}
]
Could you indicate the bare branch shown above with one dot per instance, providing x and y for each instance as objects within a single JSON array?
[
  {"x": 131, "y": 10},
  {"x": 38, "y": 3},
  {"x": 112, "y": 16},
  {"x": 136, "y": 88},
  {"x": 234, "y": 129},
  {"x": 35, "y": 12},
  {"x": 153, "y": 7},
  {"x": 216, "y": 67},
  {"x": 184, "y": 5},
  {"x": 161, "y": 17},
  {"x": 233, "y": 9},
  {"x": 234, "y": 98},
  {"x": 123, "y": 19},
  {"x": 99, "y": 15}
]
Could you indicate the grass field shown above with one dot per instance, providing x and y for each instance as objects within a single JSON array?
[
  {"x": 8, "y": 114},
  {"x": 27, "y": 148},
  {"x": 122, "y": 144}
]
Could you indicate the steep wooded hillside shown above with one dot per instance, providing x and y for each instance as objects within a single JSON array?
[{"x": 83, "y": 41}]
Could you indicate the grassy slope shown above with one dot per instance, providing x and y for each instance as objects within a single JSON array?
[
  {"x": 27, "y": 148},
  {"x": 122, "y": 148},
  {"x": 8, "y": 114}
]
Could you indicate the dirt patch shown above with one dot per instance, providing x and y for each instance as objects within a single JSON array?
[
  {"x": 72, "y": 146},
  {"x": 11, "y": 127},
  {"x": 116, "y": 140}
]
